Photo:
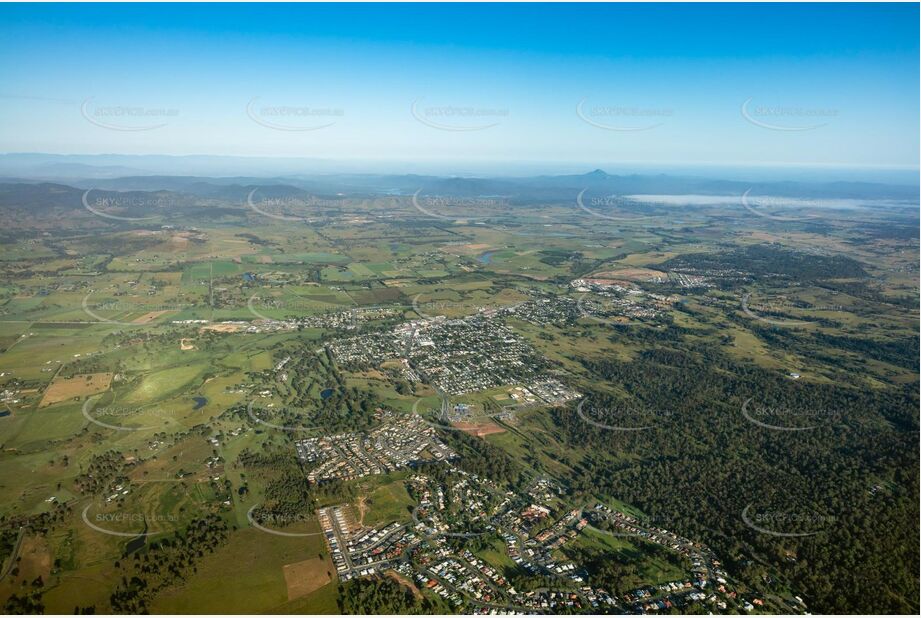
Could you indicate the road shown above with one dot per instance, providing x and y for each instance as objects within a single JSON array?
[{"x": 14, "y": 553}]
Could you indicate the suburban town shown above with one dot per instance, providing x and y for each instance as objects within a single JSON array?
[
  {"x": 399, "y": 441},
  {"x": 456, "y": 356},
  {"x": 535, "y": 529}
]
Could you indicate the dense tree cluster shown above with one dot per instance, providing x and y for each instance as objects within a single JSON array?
[
  {"x": 166, "y": 562},
  {"x": 316, "y": 395},
  {"x": 852, "y": 479},
  {"x": 287, "y": 495},
  {"x": 25, "y": 603},
  {"x": 379, "y": 596},
  {"x": 768, "y": 261},
  {"x": 479, "y": 457},
  {"x": 102, "y": 472}
]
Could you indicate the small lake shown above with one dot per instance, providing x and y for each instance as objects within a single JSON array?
[
  {"x": 326, "y": 393},
  {"x": 137, "y": 542},
  {"x": 200, "y": 402},
  {"x": 486, "y": 258}
]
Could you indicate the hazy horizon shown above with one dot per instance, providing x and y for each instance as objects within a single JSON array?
[{"x": 38, "y": 165}]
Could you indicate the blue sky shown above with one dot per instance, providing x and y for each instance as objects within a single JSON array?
[{"x": 781, "y": 84}]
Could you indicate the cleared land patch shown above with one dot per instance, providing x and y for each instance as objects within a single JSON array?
[
  {"x": 149, "y": 317},
  {"x": 479, "y": 429},
  {"x": 302, "y": 578},
  {"x": 631, "y": 274},
  {"x": 224, "y": 328},
  {"x": 64, "y": 389}
]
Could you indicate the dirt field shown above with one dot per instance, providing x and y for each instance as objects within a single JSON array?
[
  {"x": 404, "y": 582},
  {"x": 149, "y": 317},
  {"x": 362, "y": 509},
  {"x": 64, "y": 389},
  {"x": 304, "y": 577},
  {"x": 631, "y": 274},
  {"x": 479, "y": 429},
  {"x": 467, "y": 249},
  {"x": 177, "y": 243},
  {"x": 224, "y": 328},
  {"x": 185, "y": 344}
]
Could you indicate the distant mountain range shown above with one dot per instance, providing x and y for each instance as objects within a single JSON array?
[{"x": 57, "y": 178}]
